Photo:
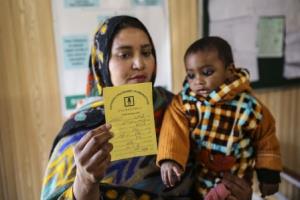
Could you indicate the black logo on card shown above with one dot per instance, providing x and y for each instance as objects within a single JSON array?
[{"x": 129, "y": 101}]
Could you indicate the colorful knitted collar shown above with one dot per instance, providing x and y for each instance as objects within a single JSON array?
[{"x": 224, "y": 92}]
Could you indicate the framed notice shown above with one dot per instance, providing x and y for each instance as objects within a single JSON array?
[{"x": 265, "y": 39}]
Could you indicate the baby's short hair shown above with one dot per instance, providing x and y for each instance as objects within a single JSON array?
[{"x": 212, "y": 43}]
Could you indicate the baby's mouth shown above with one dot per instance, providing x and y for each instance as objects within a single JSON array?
[{"x": 203, "y": 92}]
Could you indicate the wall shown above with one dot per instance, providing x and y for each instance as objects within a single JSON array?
[
  {"x": 184, "y": 30},
  {"x": 29, "y": 98}
]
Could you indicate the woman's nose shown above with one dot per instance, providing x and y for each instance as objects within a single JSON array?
[{"x": 138, "y": 63}]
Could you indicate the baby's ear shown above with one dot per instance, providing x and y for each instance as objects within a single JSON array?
[{"x": 230, "y": 72}]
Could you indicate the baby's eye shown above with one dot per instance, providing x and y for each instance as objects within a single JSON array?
[
  {"x": 207, "y": 71},
  {"x": 191, "y": 75}
]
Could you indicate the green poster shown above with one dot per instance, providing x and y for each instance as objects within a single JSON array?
[
  {"x": 270, "y": 33},
  {"x": 71, "y": 101}
]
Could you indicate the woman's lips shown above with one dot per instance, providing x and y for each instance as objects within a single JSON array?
[{"x": 138, "y": 79}]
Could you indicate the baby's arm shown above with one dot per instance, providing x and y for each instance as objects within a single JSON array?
[
  {"x": 174, "y": 140},
  {"x": 268, "y": 160},
  {"x": 170, "y": 172},
  {"x": 268, "y": 181}
]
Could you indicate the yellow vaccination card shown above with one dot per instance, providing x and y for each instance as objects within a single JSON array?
[{"x": 129, "y": 109}]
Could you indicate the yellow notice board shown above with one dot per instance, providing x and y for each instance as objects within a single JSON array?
[{"x": 129, "y": 109}]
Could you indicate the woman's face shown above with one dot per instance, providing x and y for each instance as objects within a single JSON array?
[{"x": 131, "y": 58}]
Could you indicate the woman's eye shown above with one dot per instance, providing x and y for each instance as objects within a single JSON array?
[
  {"x": 123, "y": 55},
  {"x": 147, "y": 53},
  {"x": 207, "y": 71},
  {"x": 191, "y": 75}
]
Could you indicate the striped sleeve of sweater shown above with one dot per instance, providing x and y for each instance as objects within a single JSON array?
[
  {"x": 266, "y": 143},
  {"x": 174, "y": 142}
]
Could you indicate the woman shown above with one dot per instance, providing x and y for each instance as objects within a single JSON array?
[{"x": 79, "y": 165}]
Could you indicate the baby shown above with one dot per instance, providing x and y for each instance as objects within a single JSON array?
[{"x": 217, "y": 118}]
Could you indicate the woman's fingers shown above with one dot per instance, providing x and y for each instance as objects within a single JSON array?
[
  {"x": 92, "y": 154},
  {"x": 235, "y": 179},
  {"x": 98, "y": 170},
  {"x": 231, "y": 197},
  {"x": 84, "y": 140},
  {"x": 238, "y": 187},
  {"x": 100, "y": 156},
  {"x": 92, "y": 141},
  {"x": 95, "y": 143}
]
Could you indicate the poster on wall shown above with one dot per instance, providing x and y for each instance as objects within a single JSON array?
[
  {"x": 75, "y": 21},
  {"x": 238, "y": 27},
  {"x": 265, "y": 39}
]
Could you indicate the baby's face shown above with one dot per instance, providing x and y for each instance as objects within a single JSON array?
[{"x": 205, "y": 72}]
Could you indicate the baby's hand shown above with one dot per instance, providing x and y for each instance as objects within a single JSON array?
[
  {"x": 268, "y": 188},
  {"x": 170, "y": 173}
]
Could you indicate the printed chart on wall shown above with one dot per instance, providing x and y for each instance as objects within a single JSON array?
[
  {"x": 75, "y": 21},
  {"x": 265, "y": 39}
]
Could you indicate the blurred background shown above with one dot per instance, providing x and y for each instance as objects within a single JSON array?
[{"x": 43, "y": 61}]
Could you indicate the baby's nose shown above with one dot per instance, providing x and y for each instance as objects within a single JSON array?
[{"x": 199, "y": 79}]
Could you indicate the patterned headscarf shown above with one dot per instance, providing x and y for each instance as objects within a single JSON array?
[{"x": 99, "y": 75}]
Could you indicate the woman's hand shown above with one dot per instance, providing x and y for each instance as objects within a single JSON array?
[
  {"x": 92, "y": 157},
  {"x": 240, "y": 189}
]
